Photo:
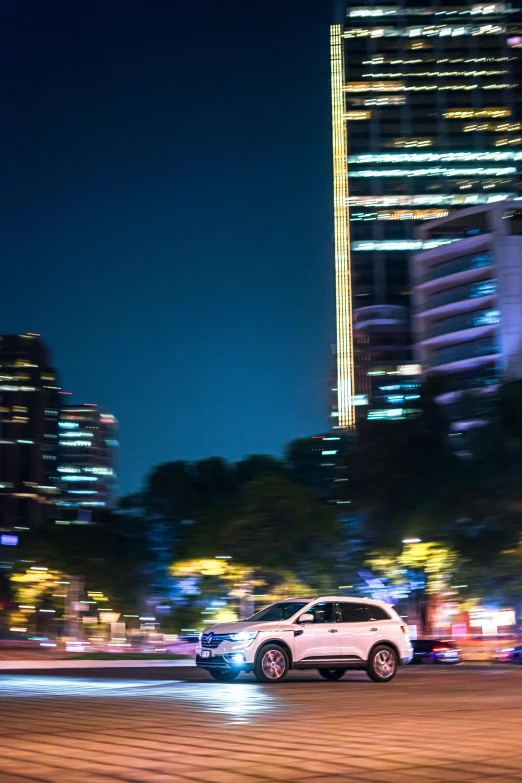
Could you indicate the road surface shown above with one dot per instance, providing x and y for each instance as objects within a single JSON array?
[{"x": 159, "y": 726}]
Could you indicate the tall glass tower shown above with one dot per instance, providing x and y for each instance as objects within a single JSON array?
[{"x": 426, "y": 119}]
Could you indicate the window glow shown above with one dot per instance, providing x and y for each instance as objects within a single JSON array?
[
  {"x": 433, "y": 157},
  {"x": 399, "y": 244},
  {"x": 409, "y": 369},
  {"x": 76, "y": 434},
  {"x": 389, "y": 100},
  {"x": 68, "y": 425},
  {"x": 18, "y": 388},
  {"x": 79, "y": 478},
  {"x": 75, "y": 443},
  {"x": 485, "y": 10},
  {"x": 429, "y": 74},
  {"x": 503, "y": 142},
  {"x": 437, "y": 171},
  {"x": 426, "y": 199},
  {"x": 401, "y": 214},
  {"x": 400, "y": 87},
  {"x": 407, "y": 143},
  {"x": 465, "y": 114},
  {"x": 357, "y": 115},
  {"x": 425, "y": 31},
  {"x": 387, "y": 413}
]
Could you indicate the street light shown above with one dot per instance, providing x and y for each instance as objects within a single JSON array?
[{"x": 411, "y": 540}]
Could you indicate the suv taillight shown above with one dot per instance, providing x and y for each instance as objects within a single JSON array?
[{"x": 404, "y": 628}]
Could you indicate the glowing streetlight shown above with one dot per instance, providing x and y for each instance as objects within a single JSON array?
[{"x": 411, "y": 540}]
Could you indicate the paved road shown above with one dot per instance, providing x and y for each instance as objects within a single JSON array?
[{"x": 431, "y": 724}]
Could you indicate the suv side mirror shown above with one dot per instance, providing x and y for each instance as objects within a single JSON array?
[{"x": 307, "y": 617}]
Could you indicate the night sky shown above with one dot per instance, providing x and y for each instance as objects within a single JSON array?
[{"x": 167, "y": 215}]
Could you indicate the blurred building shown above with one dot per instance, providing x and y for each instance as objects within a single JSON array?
[
  {"x": 88, "y": 440},
  {"x": 28, "y": 432},
  {"x": 468, "y": 301},
  {"x": 386, "y": 377},
  {"x": 321, "y": 463},
  {"x": 426, "y": 121}
]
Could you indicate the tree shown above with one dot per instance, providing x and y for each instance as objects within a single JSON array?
[
  {"x": 435, "y": 564},
  {"x": 281, "y": 525},
  {"x": 217, "y": 590}
]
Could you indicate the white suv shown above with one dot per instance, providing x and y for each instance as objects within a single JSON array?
[{"x": 327, "y": 634}]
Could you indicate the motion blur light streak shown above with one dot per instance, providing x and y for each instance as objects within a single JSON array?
[{"x": 238, "y": 701}]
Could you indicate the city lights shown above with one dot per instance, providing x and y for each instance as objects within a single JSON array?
[{"x": 345, "y": 370}]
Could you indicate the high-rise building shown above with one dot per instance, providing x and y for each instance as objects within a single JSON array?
[
  {"x": 28, "y": 432},
  {"x": 426, "y": 120},
  {"x": 468, "y": 302},
  {"x": 87, "y": 462}
]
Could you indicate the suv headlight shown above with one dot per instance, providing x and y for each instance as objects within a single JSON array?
[{"x": 243, "y": 636}]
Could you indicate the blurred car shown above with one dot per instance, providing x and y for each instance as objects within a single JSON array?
[
  {"x": 190, "y": 638},
  {"x": 503, "y": 655},
  {"x": 509, "y": 655},
  {"x": 434, "y": 651}
]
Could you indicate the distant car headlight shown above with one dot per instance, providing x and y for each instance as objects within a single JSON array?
[{"x": 243, "y": 636}]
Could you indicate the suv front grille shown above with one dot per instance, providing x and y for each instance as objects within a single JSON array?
[{"x": 213, "y": 640}]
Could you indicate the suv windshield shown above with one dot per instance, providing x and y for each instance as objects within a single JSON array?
[{"x": 281, "y": 611}]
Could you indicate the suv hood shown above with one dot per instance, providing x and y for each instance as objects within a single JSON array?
[{"x": 239, "y": 626}]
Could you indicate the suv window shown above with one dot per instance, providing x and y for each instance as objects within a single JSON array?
[
  {"x": 277, "y": 612},
  {"x": 351, "y": 613},
  {"x": 360, "y": 613},
  {"x": 376, "y": 613},
  {"x": 323, "y": 612}
]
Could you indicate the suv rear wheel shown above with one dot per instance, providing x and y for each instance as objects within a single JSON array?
[
  {"x": 382, "y": 664},
  {"x": 272, "y": 663},
  {"x": 332, "y": 674}
]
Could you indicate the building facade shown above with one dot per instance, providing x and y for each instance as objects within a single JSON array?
[
  {"x": 468, "y": 301},
  {"x": 28, "y": 432},
  {"x": 426, "y": 121},
  {"x": 88, "y": 440},
  {"x": 386, "y": 377}
]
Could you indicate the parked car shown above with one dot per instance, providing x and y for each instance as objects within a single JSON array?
[
  {"x": 327, "y": 634},
  {"x": 435, "y": 651}
]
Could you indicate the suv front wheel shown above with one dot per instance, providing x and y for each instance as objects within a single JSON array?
[
  {"x": 382, "y": 664},
  {"x": 272, "y": 664}
]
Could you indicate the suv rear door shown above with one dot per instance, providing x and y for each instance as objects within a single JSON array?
[{"x": 360, "y": 627}]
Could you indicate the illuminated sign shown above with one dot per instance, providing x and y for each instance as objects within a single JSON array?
[{"x": 7, "y": 540}]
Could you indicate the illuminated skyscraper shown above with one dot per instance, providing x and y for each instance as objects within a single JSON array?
[
  {"x": 87, "y": 463},
  {"x": 426, "y": 120},
  {"x": 28, "y": 432}
]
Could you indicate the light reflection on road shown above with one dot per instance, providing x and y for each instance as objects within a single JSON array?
[{"x": 240, "y": 702}]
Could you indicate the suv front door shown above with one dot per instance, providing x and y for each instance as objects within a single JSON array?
[{"x": 319, "y": 640}]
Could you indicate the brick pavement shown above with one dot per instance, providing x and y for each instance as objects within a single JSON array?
[{"x": 447, "y": 725}]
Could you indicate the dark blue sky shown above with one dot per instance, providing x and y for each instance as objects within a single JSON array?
[{"x": 168, "y": 223}]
